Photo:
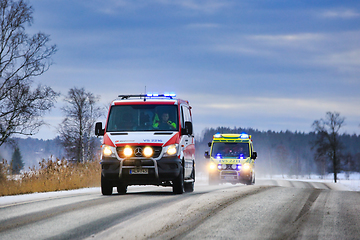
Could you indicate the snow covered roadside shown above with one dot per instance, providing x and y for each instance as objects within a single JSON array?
[
  {"x": 352, "y": 183},
  {"x": 23, "y": 198}
]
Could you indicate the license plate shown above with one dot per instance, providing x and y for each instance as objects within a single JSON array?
[
  {"x": 139, "y": 171},
  {"x": 229, "y": 177}
]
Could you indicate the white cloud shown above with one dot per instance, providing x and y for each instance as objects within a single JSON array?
[
  {"x": 112, "y": 6},
  {"x": 345, "y": 61},
  {"x": 340, "y": 13},
  {"x": 208, "y": 6},
  {"x": 283, "y": 105},
  {"x": 280, "y": 39},
  {"x": 278, "y": 47},
  {"x": 203, "y": 26}
]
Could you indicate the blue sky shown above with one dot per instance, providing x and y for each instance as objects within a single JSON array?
[{"x": 268, "y": 65}]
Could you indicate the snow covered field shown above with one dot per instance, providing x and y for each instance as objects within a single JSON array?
[{"x": 352, "y": 181}]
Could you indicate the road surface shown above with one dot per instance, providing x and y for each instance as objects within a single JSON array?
[{"x": 270, "y": 209}]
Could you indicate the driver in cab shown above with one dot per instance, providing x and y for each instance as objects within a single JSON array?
[{"x": 164, "y": 122}]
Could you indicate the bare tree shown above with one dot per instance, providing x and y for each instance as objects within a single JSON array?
[
  {"x": 76, "y": 130},
  {"x": 22, "y": 57},
  {"x": 328, "y": 144}
]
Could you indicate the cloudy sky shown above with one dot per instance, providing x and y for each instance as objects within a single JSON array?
[{"x": 268, "y": 65}]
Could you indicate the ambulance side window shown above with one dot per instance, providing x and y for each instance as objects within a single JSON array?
[{"x": 185, "y": 116}]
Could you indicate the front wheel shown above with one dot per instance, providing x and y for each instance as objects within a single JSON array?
[
  {"x": 178, "y": 183},
  {"x": 189, "y": 186},
  {"x": 106, "y": 187},
  {"x": 121, "y": 188},
  {"x": 251, "y": 181}
]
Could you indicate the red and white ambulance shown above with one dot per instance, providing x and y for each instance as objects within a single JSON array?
[{"x": 147, "y": 140}]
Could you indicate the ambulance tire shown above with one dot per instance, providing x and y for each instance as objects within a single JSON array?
[
  {"x": 106, "y": 187},
  {"x": 121, "y": 188},
  {"x": 249, "y": 182},
  {"x": 189, "y": 186},
  {"x": 178, "y": 183}
]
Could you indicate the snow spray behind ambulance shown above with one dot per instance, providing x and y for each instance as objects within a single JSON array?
[
  {"x": 147, "y": 140},
  {"x": 231, "y": 159}
]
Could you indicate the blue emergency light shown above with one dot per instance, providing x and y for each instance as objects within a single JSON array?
[
  {"x": 217, "y": 135},
  {"x": 244, "y": 135},
  {"x": 166, "y": 94},
  {"x": 148, "y": 95}
]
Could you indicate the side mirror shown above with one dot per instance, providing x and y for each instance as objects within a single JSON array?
[
  {"x": 254, "y": 155},
  {"x": 206, "y": 155},
  {"x": 99, "y": 131},
  {"x": 209, "y": 144},
  {"x": 188, "y": 130}
]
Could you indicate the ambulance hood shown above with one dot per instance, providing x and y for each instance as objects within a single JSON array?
[{"x": 116, "y": 139}]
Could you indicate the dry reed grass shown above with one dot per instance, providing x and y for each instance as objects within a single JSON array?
[{"x": 50, "y": 176}]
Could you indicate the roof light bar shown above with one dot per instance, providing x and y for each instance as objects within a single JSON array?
[
  {"x": 148, "y": 95},
  {"x": 244, "y": 135},
  {"x": 217, "y": 135}
]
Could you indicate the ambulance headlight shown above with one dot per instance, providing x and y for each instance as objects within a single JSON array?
[
  {"x": 212, "y": 166},
  {"x": 128, "y": 152},
  {"x": 246, "y": 167},
  {"x": 108, "y": 151},
  {"x": 148, "y": 151},
  {"x": 171, "y": 150}
]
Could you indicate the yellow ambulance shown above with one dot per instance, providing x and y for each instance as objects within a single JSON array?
[{"x": 231, "y": 159}]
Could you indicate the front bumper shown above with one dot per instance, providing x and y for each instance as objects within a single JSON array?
[
  {"x": 159, "y": 172},
  {"x": 235, "y": 176}
]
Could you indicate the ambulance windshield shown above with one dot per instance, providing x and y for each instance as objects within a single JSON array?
[
  {"x": 233, "y": 150},
  {"x": 125, "y": 118}
]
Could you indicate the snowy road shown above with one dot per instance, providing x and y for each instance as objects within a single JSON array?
[{"x": 271, "y": 209}]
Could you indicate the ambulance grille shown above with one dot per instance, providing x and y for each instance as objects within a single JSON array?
[{"x": 137, "y": 151}]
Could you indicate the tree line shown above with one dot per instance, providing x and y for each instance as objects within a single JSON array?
[{"x": 287, "y": 153}]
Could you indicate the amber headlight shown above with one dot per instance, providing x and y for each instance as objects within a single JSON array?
[
  {"x": 171, "y": 150},
  {"x": 246, "y": 167},
  {"x": 128, "y": 151},
  {"x": 148, "y": 152},
  {"x": 212, "y": 166},
  {"x": 108, "y": 151}
]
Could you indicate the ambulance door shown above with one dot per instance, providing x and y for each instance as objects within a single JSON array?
[{"x": 187, "y": 142}]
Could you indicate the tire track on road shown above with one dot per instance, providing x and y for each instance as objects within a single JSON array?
[
  {"x": 180, "y": 229},
  {"x": 13, "y": 223},
  {"x": 30, "y": 218},
  {"x": 292, "y": 227}
]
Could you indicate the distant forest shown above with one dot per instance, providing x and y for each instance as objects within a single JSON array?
[
  {"x": 33, "y": 150},
  {"x": 279, "y": 153},
  {"x": 287, "y": 153}
]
